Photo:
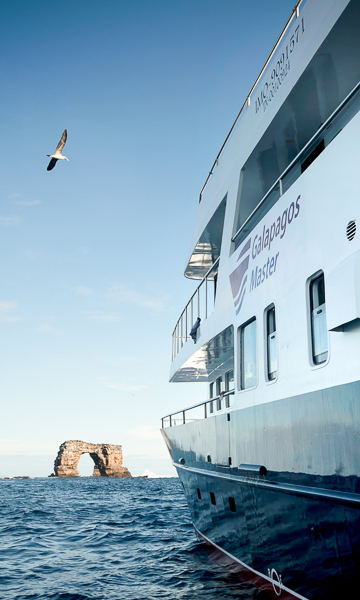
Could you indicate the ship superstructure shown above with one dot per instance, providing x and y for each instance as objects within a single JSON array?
[{"x": 270, "y": 461}]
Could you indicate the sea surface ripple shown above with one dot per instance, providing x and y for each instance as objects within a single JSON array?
[{"x": 100, "y": 539}]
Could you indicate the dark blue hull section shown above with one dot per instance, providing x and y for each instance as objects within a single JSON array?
[
  {"x": 302, "y": 528},
  {"x": 312, "y": 542}
]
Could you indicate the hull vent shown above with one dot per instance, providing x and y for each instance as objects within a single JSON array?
[{"x": 351, "y": 230}]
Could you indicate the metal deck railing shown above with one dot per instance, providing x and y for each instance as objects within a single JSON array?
[
  {"x": 295, "y": 12},
  {"x": 205, "y": 409},
  {"x": 201, "y": 304}
]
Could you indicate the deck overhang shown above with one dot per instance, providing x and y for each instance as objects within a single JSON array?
[
  {"x": 207, "y": 248},
  {"x": 214, "y": 357}
]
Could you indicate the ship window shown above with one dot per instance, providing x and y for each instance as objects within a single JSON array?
[
  {"x": 219, "y": 389},
  {"x": 274, "y": 154},
  {"x": 198, "y": 493},
  {"x": 229, "y": 385},
  {"x": 319, "y": 335},
  {"x": 271, "y": 346},
  {"x": 232, "y": 504},
  {"x": 248, "y": 370},
  {"x": 208, "y": 458},
  {"x": 212, "y": 498},
  {"x": 211, "y": 396}
]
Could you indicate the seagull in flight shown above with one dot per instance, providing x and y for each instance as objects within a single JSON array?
[{"x": 58, "y": 152}]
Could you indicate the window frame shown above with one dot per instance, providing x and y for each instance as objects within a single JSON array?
[
  {"x": 309, "y": 283},
  {"x": 229, "y": 400},
  {"x": 211, "y": 394},
  {"x": 241, "y": 328},
  {"x": 219, "y": 385},
  {"x": 266, "y": 349}
]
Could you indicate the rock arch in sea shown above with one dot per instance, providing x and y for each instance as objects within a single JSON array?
[{"x": 108, "y": 459}]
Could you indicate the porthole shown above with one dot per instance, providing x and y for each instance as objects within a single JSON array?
[{"x": 232, "y": 504}]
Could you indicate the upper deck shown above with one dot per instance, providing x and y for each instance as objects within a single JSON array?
[
  {"x": 283, "y": 126},
  {"x": 308, "y": 73}
]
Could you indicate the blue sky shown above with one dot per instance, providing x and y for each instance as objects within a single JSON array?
[{"x": 93, "y": 252}]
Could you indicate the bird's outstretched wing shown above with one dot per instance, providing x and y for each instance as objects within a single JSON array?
[
  {"x": 62, "y": 143},
  {"x": 51, "y": 164}
]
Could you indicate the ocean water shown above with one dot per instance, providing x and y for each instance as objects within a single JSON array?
[{"x": 100, "y": 539}]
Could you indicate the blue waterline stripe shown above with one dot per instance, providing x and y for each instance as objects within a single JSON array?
[{"x": 346, "y": 498}]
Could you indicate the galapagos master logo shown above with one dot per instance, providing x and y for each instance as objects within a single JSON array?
[{"x": 255, "y": 247}]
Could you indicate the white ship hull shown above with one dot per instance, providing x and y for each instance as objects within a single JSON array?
[{"x": 270, "y": 461}]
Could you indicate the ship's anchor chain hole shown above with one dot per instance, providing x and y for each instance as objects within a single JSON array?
[{"x": 276, "y": 581}]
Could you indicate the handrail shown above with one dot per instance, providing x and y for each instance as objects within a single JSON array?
[
  {"x": 184, "y": 410},
  {"x": 200, "y": 284},
  {"x": 176, "y": 335},
  {"x": 247, "y": 101},
  {"x": 297, "y": 157}
]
